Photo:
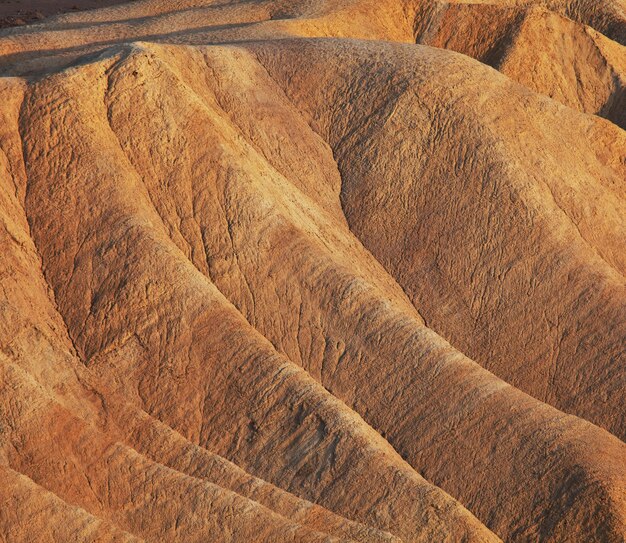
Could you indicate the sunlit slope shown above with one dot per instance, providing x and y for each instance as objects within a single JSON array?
[
  {"x": 572, "y": 51},
  {"x": 301, "y": 289}
]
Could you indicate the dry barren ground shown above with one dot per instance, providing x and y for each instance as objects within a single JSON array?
[{"x": 316, "y": 270}]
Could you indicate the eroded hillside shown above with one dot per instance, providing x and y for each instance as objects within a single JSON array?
[{"x": 308, "y": 271}]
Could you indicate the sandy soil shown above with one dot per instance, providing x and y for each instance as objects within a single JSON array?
[
  {"x": 21, "y": 12},
  {"x": 273, "y": 272}
]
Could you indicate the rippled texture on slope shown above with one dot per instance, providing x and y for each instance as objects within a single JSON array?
[{"x": 230, "y": 271}]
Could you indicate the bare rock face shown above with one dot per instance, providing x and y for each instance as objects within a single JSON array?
[{"x": 273, "y": 271}]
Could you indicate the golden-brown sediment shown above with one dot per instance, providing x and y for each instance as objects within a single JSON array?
[{"x": 269, "y": 276}]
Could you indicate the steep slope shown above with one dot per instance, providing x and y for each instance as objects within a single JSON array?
[
  {"x": 224, "y": 202},
  {"x": 71, "y": 439},
  {"x": 537, "y": 47},
  {"x": 91, "y": 467},
  {"x": 554, "y": 47},
  {"x": 249, "y": 291},
  {"x": 320, "y": 449},
  {"x": 519, "y": 216}
]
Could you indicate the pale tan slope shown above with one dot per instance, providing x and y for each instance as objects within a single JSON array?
[
  {"x": 606, "y": 16},
  {"x": 60, "y": 41},
  {"x": 523, "y": 229},
  {"x": 224, "y": 200}
]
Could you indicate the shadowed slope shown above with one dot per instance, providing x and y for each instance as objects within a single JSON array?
[
  {"x": 521, "y": 213},
  {"x": 539, "y": 48}
]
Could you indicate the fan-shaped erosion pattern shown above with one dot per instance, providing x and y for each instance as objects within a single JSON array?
[{"x": 308, "y": 271}]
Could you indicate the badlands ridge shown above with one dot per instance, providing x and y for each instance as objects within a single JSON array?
[{"x": 286, "y": 271}]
